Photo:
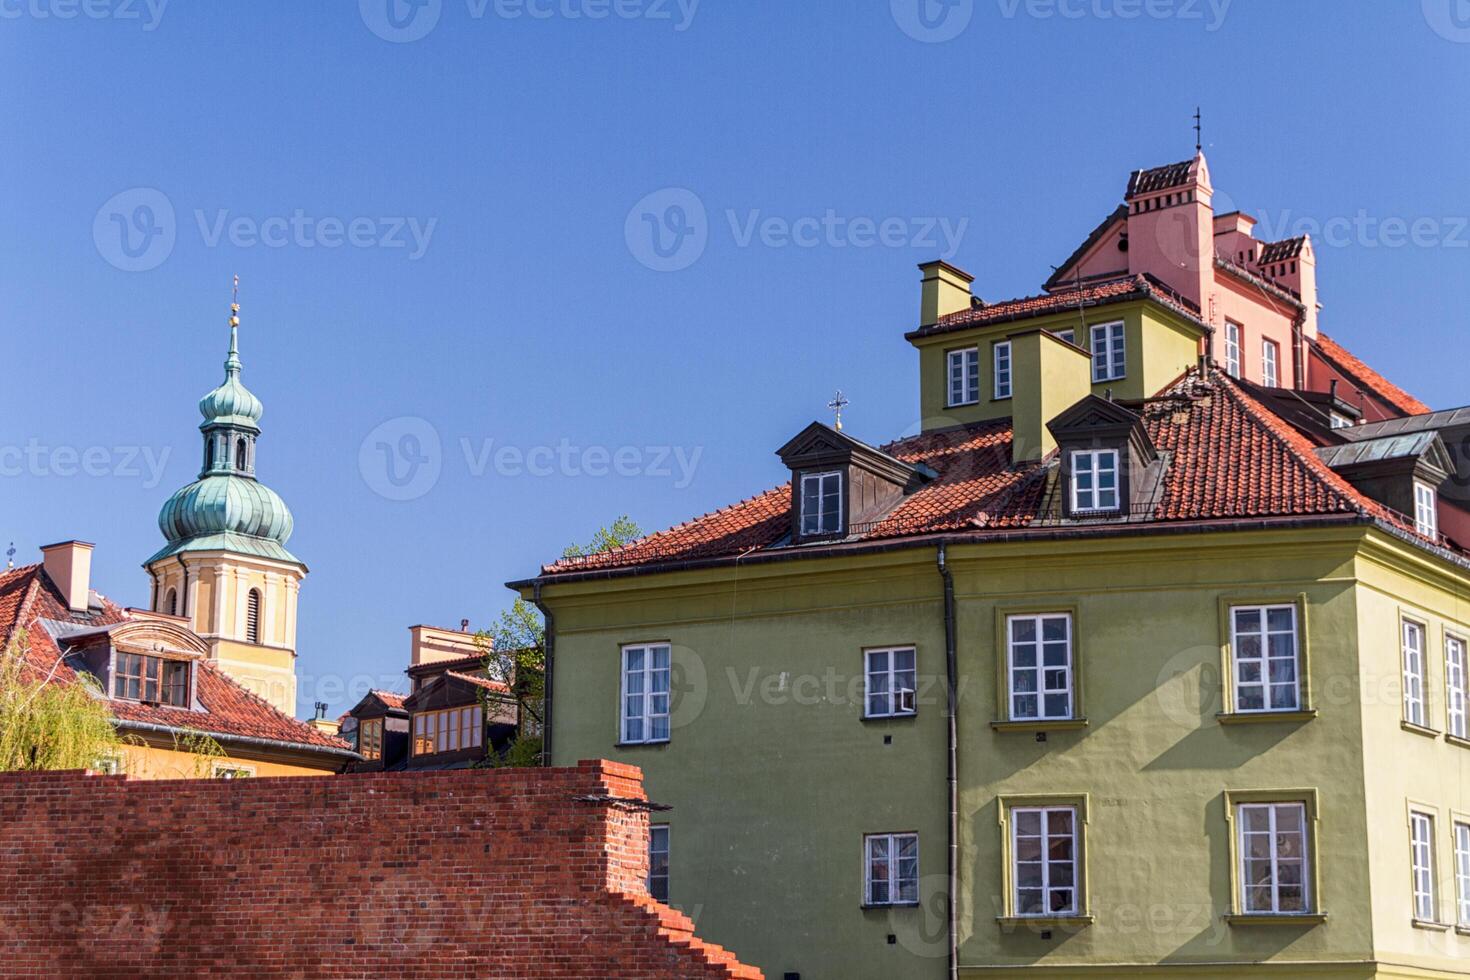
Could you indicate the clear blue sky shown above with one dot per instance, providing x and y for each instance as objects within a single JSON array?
[{"x": 530, "y": 320}]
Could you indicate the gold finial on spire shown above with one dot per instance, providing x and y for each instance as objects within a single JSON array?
[{"x": 235, "y": 304}]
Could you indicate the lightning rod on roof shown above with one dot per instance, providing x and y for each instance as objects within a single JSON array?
[
  {"x": 1198, "y": 141},
  {"x": 10, "y": 556}
]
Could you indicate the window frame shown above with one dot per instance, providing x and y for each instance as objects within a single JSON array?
[
  {"x": 1009, "y": 668},
  {"x": 1093, "y": 455},
  {"x": 968, "y": 377},
  {"x": 1419, "y": 696},
  {"x": 1234, "y": 339},
  {"x": 220, "y": 769},
  {"x": 1306, "y": 708},
  {"x": 1273, "y": 835},
  {"x": 1457, "y": 695},
  {"x": 365, "y": 725},
  {"x": 1461, "y": 847},
  {"x": 1109, "y": 351},
  {"x": 1427, "y": 817},
  {"x": 1264, "y": 611},
  {"x": 1426, "y": 511},
  {"x": 648, "y": 717},
  {"x": 654, "y": 831},
  {"x": 458, "y": 728},
  {"x": 894, "y": 881},
  {"x": 254, "y": 614},
  {"x": 1270, "y": 363},
  {"x": 172, "y": 680},
  {"x": 1312, "y": 856},
  {"x": 1000, "y": 351},
  {"x": 821, "y": 476},
  {"x": 890, "y": 673},
  {"x": 1008, "y": 806}
]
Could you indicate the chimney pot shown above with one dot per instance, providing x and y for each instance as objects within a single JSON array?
[{"x": 69, "y": 566}]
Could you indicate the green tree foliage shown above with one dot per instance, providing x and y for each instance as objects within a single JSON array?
[
  {"x": 514, "y": 648},
  {"x": 49, "y": 725}
]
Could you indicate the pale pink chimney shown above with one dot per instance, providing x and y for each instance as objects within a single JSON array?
[
  {"x": 68, "y": 565},
  {"x": 1171, "y": 228}
]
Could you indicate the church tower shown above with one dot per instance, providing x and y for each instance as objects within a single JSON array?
[{"x": 225, "y": 567}]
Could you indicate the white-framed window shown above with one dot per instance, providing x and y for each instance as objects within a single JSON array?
[
  {"x": 890, "y": 682},
  {"x": 1270, "y": 358},
  {"x": 1340, "y": 421},
  {"x": 964, "y": 376},
  {"x": 1454, "y": 684},
  {"x": 1265, "y": 658},
  {"x": 821, "y": 503},
  {"x": 658, "y": 861},
  {"x": 1426, "y": 517},
  {"x": 645, "y": 702},
  {"x": 1232, "y": 348},
  {"x": 1039, "y": 661},
  {"x": 1413, "y": 646},
  {"x": 1462, "y": 871},
  {"x": 1109, "y": 362},
  {"x": 1274, "y": 873},
  {"x": 1001, "y": 355},
  {"x": 1094, "y": 480},
  {"x": 891, "y": 869},
  {"x": 1421, "y": 856},
  {"x": 230, "y": 770},
  {"x": 1070, "y": 336},
  {"x": 1044, "y": 860}
]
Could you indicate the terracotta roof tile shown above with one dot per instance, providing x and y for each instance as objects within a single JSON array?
[
  {"x": 1367, "y": 378},
  {"x": 1159, "y": 178},
  {"x": 229, "y": 709},
  {"x": 1228, "y": 458},
  {"x": 1287, "y": 248},
  {"x": 1097, "y": 293}
]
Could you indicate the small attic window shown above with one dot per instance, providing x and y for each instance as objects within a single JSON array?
[
  {"x": 821, "y": 503},
  {"x": 154, "y": 680},
  {"x": 1426, "y": 517},
  {"x": 1094, "y": 481}
]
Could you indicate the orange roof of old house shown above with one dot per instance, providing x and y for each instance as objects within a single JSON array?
[
  {"x": 27, "y": 596},
  {"x": 1230, "y": 459},
  {"x": 1368, "y": 379},
  {"x": 1101, "y": 292}
]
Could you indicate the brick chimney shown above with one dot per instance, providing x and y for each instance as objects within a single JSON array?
[
  {"x": 69, "y": 566},
  {"x": 945, "y": 289},
  {"x": 1048, "y": 376}
]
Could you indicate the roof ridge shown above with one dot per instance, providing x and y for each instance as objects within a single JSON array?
[
  {"x": 218, "y": 671},
  {"x": 1299, "y": 446}
]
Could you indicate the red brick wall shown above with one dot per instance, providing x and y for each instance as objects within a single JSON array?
[{"x": 475, "y": 873}]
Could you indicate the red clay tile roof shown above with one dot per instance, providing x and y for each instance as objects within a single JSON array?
[
  {"x": 1098, "y": 293},
  {"x": 1228, "y": 458},
  {"x": 488, "y": 685},
  {"x": 1367, "y": 378},
  {"x": 1159, "y": 178},
  {"x": 389, "y": 698},
  {"x": 1287, "y": 248},
  {"x": 434, "y": 666},
  {"x": 27, "y": 595}
]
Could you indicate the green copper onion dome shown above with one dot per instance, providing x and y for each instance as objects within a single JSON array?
[{"x": 227, "y": 508}]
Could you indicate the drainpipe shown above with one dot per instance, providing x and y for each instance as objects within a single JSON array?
[
  {"x": 952, "y": 776},
  {"x": 547, "y": 682}
]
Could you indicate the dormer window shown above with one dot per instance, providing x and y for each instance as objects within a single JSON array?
[
  {"x": 1426, "y": 517},
  {"x": 964, "y": 376},
  {"x": 1094, "y": 480},
  {"x": 821, "y": 504},
  {"x": 139, "y": 677}
]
